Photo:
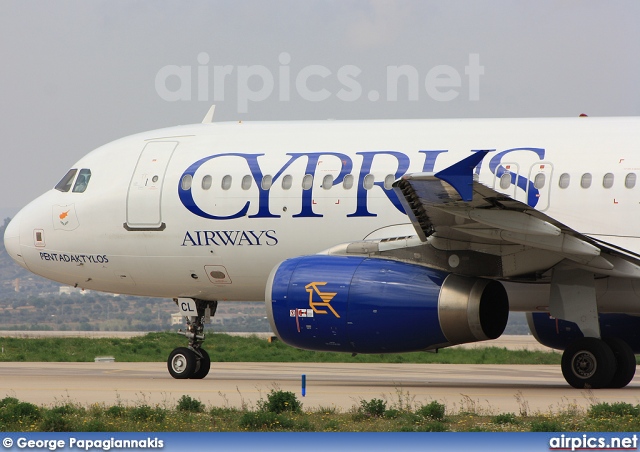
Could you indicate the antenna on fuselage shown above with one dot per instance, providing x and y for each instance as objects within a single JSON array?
[{"x": 208, "y": 118}]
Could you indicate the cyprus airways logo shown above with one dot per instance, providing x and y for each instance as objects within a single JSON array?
[{"x": 320, "y": 307}]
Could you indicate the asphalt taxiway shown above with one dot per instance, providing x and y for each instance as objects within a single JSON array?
[{"x": 479, "y": 388}]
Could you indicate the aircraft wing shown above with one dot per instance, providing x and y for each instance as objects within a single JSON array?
[{"x": 452, "y": 211}]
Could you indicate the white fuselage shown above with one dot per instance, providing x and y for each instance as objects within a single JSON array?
[{"x": 165, "y": 213}]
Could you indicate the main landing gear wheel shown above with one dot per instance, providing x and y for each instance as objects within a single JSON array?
[
  {"x": 181, "y": 363},
  {"x": 625, "y": 360},
  {"x": 588, "y": 363}
]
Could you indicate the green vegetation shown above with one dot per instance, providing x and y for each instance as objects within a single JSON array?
[
  {"x": 154, "y": 347},
  {"x": 283, "y": 412}
]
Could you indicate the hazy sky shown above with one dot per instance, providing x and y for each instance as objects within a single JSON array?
[{"x": 77, "y": 74}]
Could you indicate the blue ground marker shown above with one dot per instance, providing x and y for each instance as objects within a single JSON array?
[{"x": 304, "y": 385}]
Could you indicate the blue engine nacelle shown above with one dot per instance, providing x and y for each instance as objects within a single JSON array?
[
  {"x": 556, "y": 333},
  {"x": 364, "y": 305}
]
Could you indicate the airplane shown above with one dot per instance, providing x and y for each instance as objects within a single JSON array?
[{"x": 368, "y": 236}]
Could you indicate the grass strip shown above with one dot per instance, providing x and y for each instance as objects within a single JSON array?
[
  {"x": 375, "y": 415},
  {"x": 155, "y": 347}
]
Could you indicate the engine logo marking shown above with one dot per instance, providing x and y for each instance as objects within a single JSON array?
[{"x": 326, "y": 298}]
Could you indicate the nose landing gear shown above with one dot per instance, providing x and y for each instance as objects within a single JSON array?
[{"x": 193, "y": 361}]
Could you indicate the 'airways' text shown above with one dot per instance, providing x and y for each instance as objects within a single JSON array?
[{"x": 230, "y": 238}]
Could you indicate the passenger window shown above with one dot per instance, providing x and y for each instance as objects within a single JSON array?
[
  {"x": 368, "y": 181},
  {"x": 307, "y": 181},
  {"x": 226, "y": 182},
  {"x": 82, "y": 181},
  {"x": 607, "y": 180},
  {"x": 266, "y": 182},
  {"x": 630, "y": 180},
  {"x": 65, "y": 183},
  {"x": 564, "y": 181},
  {"x": 186, "y": 181},
  {"x": 585, "y": 181},
  {"x": 505, "y": 180},
  {"x": 246, "y": 182},
  {"x": 388, "y": 181},
  {"x": 287, "y": 181},
  {"x": 347, "y": 183},
  {"x": 539, "y": 180},
  {"x": 327, "y": 182},
  {"x": 206, "y": 182}
]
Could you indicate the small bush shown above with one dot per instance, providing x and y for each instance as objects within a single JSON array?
[
  {"x": 8, "y": 401},
  {"x": 54, "y": 422},
  {"x": 222, "y": 411},
  {"x": 434, "y": 410},
  {"x": 373, "y": 407},
  {"x": 391, "y": 414},
  {"x": 264, "y": 420},
  {"x": 605, "y": 410},
  {"x": 145, "y": 412},
  {"x": 435, "y": 426},
  {"x": 544, "y": 425},
  {"x": 187, "y": 403},
  {"x": 116, "y": 411},
  {"x": 280, "y": 401},
  {"x": 505, "y": 418},
  {"x": 332, "y": 426},
  {"x": 94, "y": 425},
  {"x": 65, "y": 410},
  {"x": 14, "y": 411},
  {"x": 304, "y": 426}
]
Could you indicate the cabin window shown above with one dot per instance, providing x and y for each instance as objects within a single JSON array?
[
  {"x": 327, "y": 182},
  {"x": 630, "y": 180},
  {"x": 564, "y": 180},
  {"x": 388, "y": 181},
  {"x": 65, "y": 183},
  {"x": 266, "y": 182},
  {"x": 186, "y": 181},
  {"x": 505, "y": 180},
  {"x": 585, "y": 181},
  {"x": 206, "y": 182},
  {"x": 368, "y": 181},
  {"x": 287, "y": 182},
  {"x": 347, "y": 183},
  {"x": 307, "y": 181},
  {"x": 226, "y": 182},
  {"x": 246, "y": 182},
  {"x": 539, "y": 180},
  {"x": 607, "y": 180}
]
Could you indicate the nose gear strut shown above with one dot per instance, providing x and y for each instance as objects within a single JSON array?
[{"x": 193, "y": 361}]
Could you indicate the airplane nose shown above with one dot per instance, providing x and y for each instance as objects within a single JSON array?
[{"x": 12, "y": 240}]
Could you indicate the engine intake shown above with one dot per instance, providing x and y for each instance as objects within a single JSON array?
[{"x": 369, "y": 305}]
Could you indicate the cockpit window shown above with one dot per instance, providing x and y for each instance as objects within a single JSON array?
[
  {"x": 82, "y": 181},
  {"x": 65, "y": 183}
]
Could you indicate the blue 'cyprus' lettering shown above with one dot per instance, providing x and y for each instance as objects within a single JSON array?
[{"x": 429, "y": 159}]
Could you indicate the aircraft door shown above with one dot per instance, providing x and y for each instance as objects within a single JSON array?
[
  {"x": 539, "y": 185},
  {"x": 144, "y": 198}
]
